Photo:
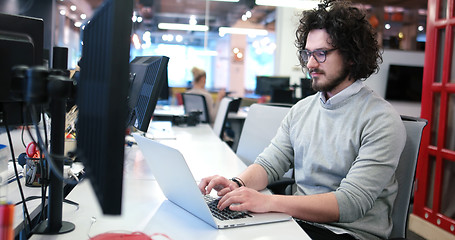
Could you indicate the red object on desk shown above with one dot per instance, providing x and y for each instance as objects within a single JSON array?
[
  {"x": 6, "y": 221},
  {"x": 31, "y": 149}
]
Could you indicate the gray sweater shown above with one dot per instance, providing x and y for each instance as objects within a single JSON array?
[{"x": 350, "y": 148}]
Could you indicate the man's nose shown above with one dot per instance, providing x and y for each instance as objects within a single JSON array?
[{"x": 312, "y": 63}]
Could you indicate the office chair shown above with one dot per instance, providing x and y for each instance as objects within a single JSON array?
[
  {"x": 221, "y": 116},
  {"x": 405, "y": 174},
  {"x": 226, "y": 104},
  {"x": 261, "y": 125},
  {"x": 196, "y": 103}
]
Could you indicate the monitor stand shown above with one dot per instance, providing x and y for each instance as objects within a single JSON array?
[{"x": 59, "y": 89}]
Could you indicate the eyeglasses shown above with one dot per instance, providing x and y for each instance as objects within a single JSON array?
[{"x": 319, "y": 55}]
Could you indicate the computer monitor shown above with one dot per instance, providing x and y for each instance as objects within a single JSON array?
[
  {"x": 21, "y": 43},
  {"x": 102, "y": 93},
  {"x": 282, "y": 96},
  {"x": 404, "y": 83},
  {"x": 306, "y": 88},
  {"x": 148, "y": 77},
  {"x": 165, "y": 91},
  {"x": 266, "y": 84}
]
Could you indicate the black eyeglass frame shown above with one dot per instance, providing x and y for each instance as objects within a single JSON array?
[{"x": 312, "y": 53}]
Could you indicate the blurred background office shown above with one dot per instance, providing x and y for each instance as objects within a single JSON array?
[
  {"x": 239, "y": 42},
  {"x": 234, "y": 41},
  {"x": 198, "y": 86}
]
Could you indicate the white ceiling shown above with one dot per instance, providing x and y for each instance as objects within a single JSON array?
[
  {"x": 224, "y": 13},
  {"x": 220, "y": 14}
]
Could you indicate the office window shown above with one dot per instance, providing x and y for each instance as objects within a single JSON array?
[
  {"x": 452, "y": 68},
  {"x": 184, "y": 52},
  {"x": 181, "y": 59},
  {"x": 435, "y": 119},
  {"x": 443, "y": 9},
  {"x": 431, "y": 171},
  {"x": 440, "y": 54},
  {"x": 260, "y": 59},
  {"x": 450, "y": 127},
  {"x": 448, "y": 189}
]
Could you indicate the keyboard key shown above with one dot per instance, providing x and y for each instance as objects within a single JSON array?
[{"x": 225, "y": 214}]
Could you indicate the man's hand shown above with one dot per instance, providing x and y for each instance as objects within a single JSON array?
[
  {"x": 246, "y": 199},
  {"x": 218, "y": 183}
]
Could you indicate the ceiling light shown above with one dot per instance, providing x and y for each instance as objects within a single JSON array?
[
  {"x": 83, "y": 16},
  {"x": 183, "y": 27},
  {"x": 301, "y": 4},
  {"x": 170, "y": 37},
  {"x": 193, "y": 20},
  {"x": 245, "y": 31},
  {"x": 73, "y": 8}
]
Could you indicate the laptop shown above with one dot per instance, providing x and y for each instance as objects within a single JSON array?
[{"x": 178, "y": 185}]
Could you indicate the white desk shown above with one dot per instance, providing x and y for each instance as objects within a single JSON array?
[
  {"x": 169, "y": 110},
  {"x": 33, "y": 206},
  {"x": 145, "y": 208},
  {"x": 12, "y": 190},
  {"x": 178, "y": 110}
]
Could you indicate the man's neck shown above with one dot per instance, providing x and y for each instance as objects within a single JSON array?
[{"x": 346, "y": 83}]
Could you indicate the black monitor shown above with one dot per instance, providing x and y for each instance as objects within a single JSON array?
[
  {"x": 282, "y": 96},
  {"x": 266, "y": 84},
  {"x": 148, "y": 77},
  {"x": 404, "y": 83},
  {"x": 21, "y": 43},
  {"x": 102, "y": 100},
  {"x": 165, "y": 90},
  {"x": 306, "y": 88}
]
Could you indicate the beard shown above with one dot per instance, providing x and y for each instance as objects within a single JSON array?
[{"x": 331, "y": 83}]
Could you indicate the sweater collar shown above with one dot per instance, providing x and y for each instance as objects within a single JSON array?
[{"x": 352, "y": 89}]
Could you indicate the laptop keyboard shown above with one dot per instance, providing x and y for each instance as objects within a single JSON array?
[{"x": 225, "y": 214}]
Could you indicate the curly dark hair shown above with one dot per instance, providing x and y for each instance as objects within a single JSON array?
[{"x": 349, "y": 31}]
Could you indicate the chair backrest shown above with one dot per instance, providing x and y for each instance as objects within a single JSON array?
[
  {"x": 196, "y": 102},
  {"x": 261, "y": 125},
  {"x": 221, "y": 116},
  {"x": 405, "y": 174}
]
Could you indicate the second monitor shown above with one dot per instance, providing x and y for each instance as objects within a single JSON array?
[
  {"x": 266, "y": 84},
  {"x": 148, "y": 77}
]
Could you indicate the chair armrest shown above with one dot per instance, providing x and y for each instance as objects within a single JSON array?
[{"x": 279, "y": 187}]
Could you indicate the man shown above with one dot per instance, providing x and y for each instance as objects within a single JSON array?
[{"x": 344, "y": 142}]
